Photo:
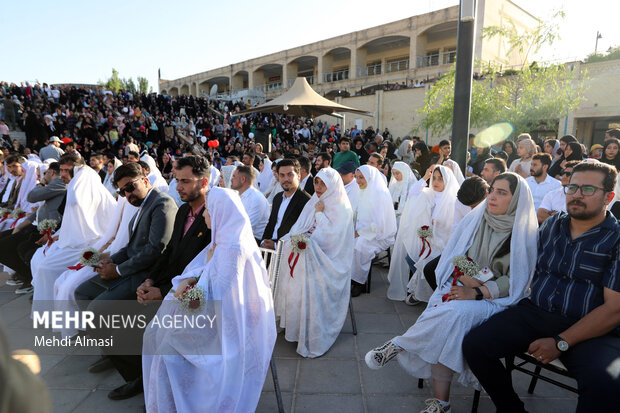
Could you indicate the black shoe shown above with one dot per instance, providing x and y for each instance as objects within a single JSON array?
[
  {"x": 103, "y": 364},
  {"x": 357, "y": 288},
  {"x": 127, "y": 390}
]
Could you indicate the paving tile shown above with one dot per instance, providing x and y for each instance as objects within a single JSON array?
[
  {"x": 66, "y": 400},
  {"x": 98, "y": 402},
  {"x": 369, "y": 303},
  {"x": 343, "y": 348},
  {"x": 328, "y": 404},
  {"x": 328, "y": 377},
  {"x": 388, "y": 404},
  {"x": 378, "y": 323},
  {"x": 390, "y": 380},
  {"x": 72, "y": 373},
  {"x": 287, "y": 371},
  {"x": 285, "y": 349},
  {"x": 269, "y": 404}
]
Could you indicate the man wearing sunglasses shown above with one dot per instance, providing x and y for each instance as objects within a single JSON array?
[
  {"x": 555, "y": 201},
  {"x": 573, "y": 312}
]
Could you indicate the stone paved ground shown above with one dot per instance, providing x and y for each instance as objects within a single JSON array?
[{"x": 338, "y": 382}]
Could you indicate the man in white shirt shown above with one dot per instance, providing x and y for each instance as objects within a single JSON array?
[
  {"x": 248, "y": 160},
  {"x": 254, "y": 202},
  {"x": 347, "y": 173},
  {"x": 306, "y": 179},
  {"x": 539, "y": 181},
  {"x": 555, "y": 200},
  {"x": 376, "y": 160}
]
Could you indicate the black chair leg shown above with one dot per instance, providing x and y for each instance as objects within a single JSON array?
[
  {"x": 276, "y": 386},
  {"x": 476, "y": 402},
  {"x": 352, "y": 317},
  {"x": 420, "y": 383},
  {"x": 537, "y": 371},
  {"x": 367, "y": 285}
]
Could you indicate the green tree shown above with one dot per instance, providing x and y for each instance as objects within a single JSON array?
[
  {"x": 143, "y": 84},
  {"x": 531, "y": 98},
  {"x": 130, "y": 86},
  {"x": 114, "y": 83}
]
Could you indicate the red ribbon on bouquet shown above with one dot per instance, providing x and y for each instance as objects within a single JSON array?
[
  {"x": 79, "y": 266},
  {"x": 456, "y": 273},
  {"x": 292, "y": 261},
  {"x": 5, "y": 217},
  {"x": 425, "y": 244},
  {"x": 19, "y": 216}
]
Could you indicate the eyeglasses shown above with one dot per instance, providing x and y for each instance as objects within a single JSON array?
[
  {"x": 586, "y": 190},
  {"x": 130, "y": 187}
]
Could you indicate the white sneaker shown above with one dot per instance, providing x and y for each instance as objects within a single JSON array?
[
  {"x": 24, "y": 290},
  {"x": 434, "y": 406},
  {"x": 13, "y": 282},
  {"x": 410, "y": 300},
  {"x": 379, "y": 356}
]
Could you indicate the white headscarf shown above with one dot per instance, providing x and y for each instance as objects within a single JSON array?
[
  {"x": 155, "y": 176},
  {"x": 375, "y": 207},
  {"x": 523, "y": 246},
  {"x": 400, "y": 189},
  {"x": 227, "y": 173},
  {"x": 29, "y": 181},
  {"x": 403, "y": 152},
  {"x": 215, "y": 177},
  {"x": 108, "y": 181},
  {"x": 265, "y": 177},
  {"x": 456, "y": 170},
  {"x": 335, "y": 199},
  {"x": 88, "y": 210}
]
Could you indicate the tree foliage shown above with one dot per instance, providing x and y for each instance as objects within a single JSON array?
[
  {"x": 531, "y": 98},
  {"x": 116, "y": 83}
]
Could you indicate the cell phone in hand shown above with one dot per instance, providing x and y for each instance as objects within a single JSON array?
[{"x": 96, "y": 266}]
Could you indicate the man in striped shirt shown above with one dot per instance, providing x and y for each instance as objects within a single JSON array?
[{"x": 573, "y": 311}]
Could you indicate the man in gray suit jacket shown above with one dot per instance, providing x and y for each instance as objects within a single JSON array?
[
  {"x": 150, "y": 231},
  {"x": 18, "y": 245}
]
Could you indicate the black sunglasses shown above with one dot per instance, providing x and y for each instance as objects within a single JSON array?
[{"x": 130, "y": 187}]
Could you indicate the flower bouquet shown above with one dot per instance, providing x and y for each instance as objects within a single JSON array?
[
  {"x": 463, "y": 265},
  {"x": 88, "y": 258},
  {"x": 17, "y": 214},
  {"x": 425, "y": 232},
  {"x": 299, "y": 243},
  {"x": 46, "y": 227},
  {"x": 5, "y": 213},
  {"x": 193, "y": 298}
]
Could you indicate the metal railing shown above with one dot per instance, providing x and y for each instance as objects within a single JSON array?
[
  {"x": 436, "y": 59},
  {"x": 336, "y": 76},
  {"x": 397, "y": 65},
  {"x": 309, "y": 78}
]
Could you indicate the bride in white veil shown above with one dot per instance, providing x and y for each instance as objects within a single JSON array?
[
  {"x": 313, "y": 296},
  {"x": 178, "y": 374}
]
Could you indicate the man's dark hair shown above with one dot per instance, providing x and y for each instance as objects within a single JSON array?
[
  {"x": 248, "y": 172},
  {"x": 472, "y": 191},
  {"x": 610, "y": 173},
  {"x": 498, "y": 164},
  {"x": 568, "y": 139},
  {"x": 200, "y": 166},
  {"x": 134, "y": 154},
  {"x": 325, "y": 157},
  {"x": 512, "y": 179},
  {"x": 97, "y": 156},
  {"x": 345, "y": 139},
  {"x": 614, "y": 133},
  {"x": 13, "y": 159},
  {"x": 502, "y": 155},
  {"x": 304, "y": 163},
  {"x": 289, "y": 162},
  {"x": 251, "y": 155},
  {"x": 571, "y": 164},
  {"x": 233, "y": 158},
  {"x": 544, "y": 158},
  {"x": 444, "y": 142},
  {"x": 71, "y": 158},
  {"x": 378, "y": 157},
  {"x": 130, "y": 170},
  {"x": 144, "y": 166},
  {"x": 54, "y": 166}
]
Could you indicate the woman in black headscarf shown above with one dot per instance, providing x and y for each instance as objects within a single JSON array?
[
  {"x": 511, "y": 150},
  {"x": 610, "y": 154},
  {"x": 422, "y": 158}
]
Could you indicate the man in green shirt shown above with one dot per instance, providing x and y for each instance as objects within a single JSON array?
[{"x": 345, "y": 154}]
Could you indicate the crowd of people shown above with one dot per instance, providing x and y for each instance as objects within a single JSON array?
[{"x": 517, "y": 252}]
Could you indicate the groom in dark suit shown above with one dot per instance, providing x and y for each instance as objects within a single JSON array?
[
  {"x": 287, "y": 205},
  {"x": 189, "y": 238}
]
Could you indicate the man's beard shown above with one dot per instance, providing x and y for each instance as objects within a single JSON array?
[
  {"x": 189, "y": 197},
  {"x": 536, "y": 174},
  {"x": 582, "y": 215},
  {"x": 134, "y": 200}
]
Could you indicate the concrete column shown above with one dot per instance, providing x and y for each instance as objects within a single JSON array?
[
  {"x": 359, "y": 59},
  {"x": 413, "y": 50},
  {"x": 289, "y": 73},
  {"x": 318, "y": 73},
  {"x": 328, "y": 65}
]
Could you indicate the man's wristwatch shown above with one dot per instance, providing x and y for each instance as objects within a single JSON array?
[
  {"x": 560, "y": 343},
  {"x": 479, "y": 295}
]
